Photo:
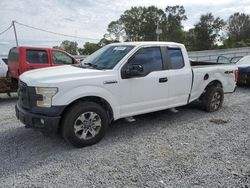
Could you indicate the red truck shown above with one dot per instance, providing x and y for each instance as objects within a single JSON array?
[{"x": 24, "y": 58}]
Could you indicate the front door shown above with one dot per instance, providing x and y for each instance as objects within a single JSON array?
[{"x": 148, "y": 91}]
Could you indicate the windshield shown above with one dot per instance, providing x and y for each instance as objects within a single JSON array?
[{"x": 107, "y": 57}]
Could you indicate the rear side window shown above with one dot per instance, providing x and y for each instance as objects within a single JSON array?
[
  {"x": 175, "y": 58},
  {"x": 13, "y": 55},
  {"x": 61, "y": 58},
  {"x": 150, "y": 58},
  {"x": 37, "y": 56}
]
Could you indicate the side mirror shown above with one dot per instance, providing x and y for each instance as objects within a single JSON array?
[{"x": 134, "y": 70}]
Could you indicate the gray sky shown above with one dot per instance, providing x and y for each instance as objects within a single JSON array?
[{"x": 86, "y": 18}]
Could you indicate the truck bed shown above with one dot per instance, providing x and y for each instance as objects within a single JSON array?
[{"x": 205, "y": 72}]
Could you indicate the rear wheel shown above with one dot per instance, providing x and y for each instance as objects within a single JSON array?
[
  {"x": 84, "y": 124},
  {"x": 213, "y": 98}
]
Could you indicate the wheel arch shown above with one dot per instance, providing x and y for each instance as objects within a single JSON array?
[
  {"x": 212, "y": 83},
  {"x": 99, "y": 100}
]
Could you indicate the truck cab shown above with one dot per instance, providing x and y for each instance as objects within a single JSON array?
[{"x": 24, "y": 58}]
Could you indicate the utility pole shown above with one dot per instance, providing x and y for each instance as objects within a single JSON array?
[
  {"x": 14, "y": 27},
  {"x": 158, "y": 31},
  {"x": 75, "y": 42}
]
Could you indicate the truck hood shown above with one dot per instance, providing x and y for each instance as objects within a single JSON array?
[{"x": 46, "y": 77}]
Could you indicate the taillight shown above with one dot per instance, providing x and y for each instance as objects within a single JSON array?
[{"x": 236, "y": 74}]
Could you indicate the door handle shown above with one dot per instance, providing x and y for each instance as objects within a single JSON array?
[{"x": 161, "y": 80}]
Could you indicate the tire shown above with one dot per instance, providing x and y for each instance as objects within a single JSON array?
[
  {"x": 213, "y": 98},
  {"x": 84, "y": 124}
]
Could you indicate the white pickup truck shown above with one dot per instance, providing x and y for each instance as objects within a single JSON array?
[{"x": 119, "y": 80}]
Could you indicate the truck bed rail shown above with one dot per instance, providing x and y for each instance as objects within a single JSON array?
[{"x": 204, "y": 63}]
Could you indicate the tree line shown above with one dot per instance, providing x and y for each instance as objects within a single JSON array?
[{"x": 140, "y": 24}]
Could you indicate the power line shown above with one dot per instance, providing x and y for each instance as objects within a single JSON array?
[
  {"x": 6, "y": 30},
  {"x": 55, "y": 33}
]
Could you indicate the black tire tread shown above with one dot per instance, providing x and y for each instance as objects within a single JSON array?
[
  {"x": 207, "y": 97},
  {"x": 68, "y": 121}
]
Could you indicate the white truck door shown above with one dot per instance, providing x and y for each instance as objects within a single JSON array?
[
  {"x": 148, "y": 91},
  {"x": 179, "y": 76}
]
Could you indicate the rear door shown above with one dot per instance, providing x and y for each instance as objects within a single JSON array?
[
  {"x": 37, "y": 58},
  {"x": 179, "y": 77},
  {"x": 61, "y": 58}
]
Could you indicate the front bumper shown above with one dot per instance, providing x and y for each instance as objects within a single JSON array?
[{"x": 37, "y": 121}]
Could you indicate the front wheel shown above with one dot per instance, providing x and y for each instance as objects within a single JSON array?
[
  {"x": 213, "y": 98},
  {"x": 84, "y": 124}
]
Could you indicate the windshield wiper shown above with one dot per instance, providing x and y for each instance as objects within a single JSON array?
[
  {"x": 92, "y": 66},
  {"x": 77, "y": 65}
]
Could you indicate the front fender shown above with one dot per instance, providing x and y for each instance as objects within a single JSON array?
[{"x": 66, "y": 97}]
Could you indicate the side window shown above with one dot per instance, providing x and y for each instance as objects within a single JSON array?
[
  {"x": 61, "y": 58},
  {"x": 150, "y": 58},
  {"x": 37, "y": 56},
  {"x": 175, "y": 58},
  {"x": 223, "y": 59}
]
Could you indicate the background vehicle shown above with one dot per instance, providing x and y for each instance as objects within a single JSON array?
[
  {"x": 243, "y": 64},
  {"x": 224, "y": 59},
  {"x": 118, "y": 81},
  {"x": 22, "y": 59},
  {"x": 244, "y": 70},
  {"x": 3, "y": 69},
  {"x": 5, "y": 83}
]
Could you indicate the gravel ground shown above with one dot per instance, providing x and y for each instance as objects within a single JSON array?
[{"x": 190, "y": 148}]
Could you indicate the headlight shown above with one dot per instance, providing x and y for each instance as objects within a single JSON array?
[{"x": 47, "y": 94}]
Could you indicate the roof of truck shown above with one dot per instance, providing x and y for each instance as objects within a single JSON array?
[{"x": 139, "y": 43}]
